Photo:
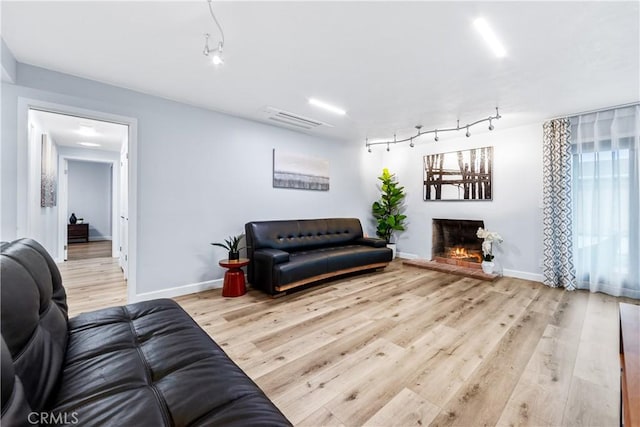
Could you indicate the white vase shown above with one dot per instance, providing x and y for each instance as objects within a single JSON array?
[
  {"x": 392, "y": 246},
  {"x": 487, "y": 266}
]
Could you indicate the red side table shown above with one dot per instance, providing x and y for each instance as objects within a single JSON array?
[{"x": 234, "y": 277}]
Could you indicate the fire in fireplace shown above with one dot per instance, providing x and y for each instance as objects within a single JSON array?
[
  {"x": 465, "y": 254},
  {"x": 454, "y": 241}
]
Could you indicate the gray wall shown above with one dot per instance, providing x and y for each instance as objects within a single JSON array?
[
  {"x": 9, "y": 63},
  {"x": 89, "y": 195},
  {"x": 201, "y": 174}
]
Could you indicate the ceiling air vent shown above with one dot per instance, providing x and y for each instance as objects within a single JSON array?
[{"x": 286, "y": 118}]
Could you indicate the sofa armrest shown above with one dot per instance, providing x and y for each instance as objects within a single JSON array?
[
  {"x": 273, "y": 256},
  {"x": 371, "y": 241},
  {"x": 263, "y": 262}
]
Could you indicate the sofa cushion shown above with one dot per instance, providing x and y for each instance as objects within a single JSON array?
[
  {"x": 301, "y": 265},
  {"x": 353, "y": 256},
  {"x": 150, "y": 361},
  {"x": 33, "y": 321},
  {"x": 305, "y": 264}
]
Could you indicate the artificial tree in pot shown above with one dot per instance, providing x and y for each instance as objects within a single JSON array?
[{"x": 387, "y": 210}]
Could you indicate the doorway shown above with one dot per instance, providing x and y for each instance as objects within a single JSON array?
[
  {"x": 88, "y": 127},
  {"x": 90, "y": 194}
]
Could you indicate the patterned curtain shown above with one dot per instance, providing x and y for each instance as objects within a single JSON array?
[{"x": 558, "y": 266}]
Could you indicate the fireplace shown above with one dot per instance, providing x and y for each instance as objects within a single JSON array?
[{"x": 454, "y": 241}]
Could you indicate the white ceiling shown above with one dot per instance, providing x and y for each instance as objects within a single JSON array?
[
  {"x": 66, "y": 131},
  {"x": 391, "y": 64}
]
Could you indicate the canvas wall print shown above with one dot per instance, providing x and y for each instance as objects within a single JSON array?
[
  {"x": 459, "y": 175},
  {"x": 48, "y": 173},
  {"x": 299, "y": 171}
]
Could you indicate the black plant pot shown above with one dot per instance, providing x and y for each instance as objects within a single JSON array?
[{"x": 234, "y": 256}]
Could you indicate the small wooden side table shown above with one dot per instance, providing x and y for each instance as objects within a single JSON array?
[
  {"x": 234, "y": 277},
  {"x": 77, "y": 233}
]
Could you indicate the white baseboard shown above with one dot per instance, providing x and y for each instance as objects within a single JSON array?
[
  {"x": 178, "y": 290},
  {"x": 407, "y": 255},
  {"x": 523, "y": 275}
]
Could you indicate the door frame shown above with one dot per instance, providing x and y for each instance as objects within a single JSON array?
[{"x": 24, "y": 190}]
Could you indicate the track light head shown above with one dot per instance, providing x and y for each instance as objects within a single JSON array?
[
  {"x": 206, "y": 49},
  {"x": 369, "y": 149},
  {"x": 217, "y": 56},
  {"x": 490, "y": 125},
  {"x": 388, "y": 149},
  {"x": 411, "y": 144},
  {"x": 468, "y": 134},
  {"x": 435, "y": 138}
]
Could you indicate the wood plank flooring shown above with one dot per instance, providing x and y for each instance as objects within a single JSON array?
[
  {"x": 408, "y": 346},
  {"x": 97, "y": 249}
]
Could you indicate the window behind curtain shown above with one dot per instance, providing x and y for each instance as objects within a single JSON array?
[{"x": 606, "y": 200}]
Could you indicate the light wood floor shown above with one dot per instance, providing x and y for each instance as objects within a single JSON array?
[
  {"x": 407, "y": 346},
  {"x": 97, "y": 249}
]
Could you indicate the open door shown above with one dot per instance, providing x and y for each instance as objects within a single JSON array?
[
  {"x": 63, "y": 202},
  {"x": 124, "y": 209}
]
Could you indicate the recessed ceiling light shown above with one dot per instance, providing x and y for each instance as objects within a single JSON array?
[
  {"x": 490, "y": 37},
  {"x": 87, "y": 131},
  {"x": 327, "y": 107},
  {"x": 89, "y": 144}
]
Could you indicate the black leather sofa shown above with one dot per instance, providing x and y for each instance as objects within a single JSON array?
[
  {"x": 145, "y": 364},
  {"x": 288, "y": 254}
]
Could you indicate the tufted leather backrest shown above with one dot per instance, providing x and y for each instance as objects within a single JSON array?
[
  {"x": 302, "y": 234},
  {"x": 34, "y": 326}
]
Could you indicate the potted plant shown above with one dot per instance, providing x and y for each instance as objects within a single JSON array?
[
  {"x": 387, "y": 210},
  {"x": 487, "y": 248},
  {"x": 232, "y": 244}
]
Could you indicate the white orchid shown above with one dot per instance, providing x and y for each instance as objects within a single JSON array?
[
  {"x": 491, "y": 236},
  {"x": 487, "y": 245}
]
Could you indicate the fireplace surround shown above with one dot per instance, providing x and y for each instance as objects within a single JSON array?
[{"x": 454, "y": 241}]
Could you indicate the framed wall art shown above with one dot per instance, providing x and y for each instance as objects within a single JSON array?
[
  {"x": 459, "y": 175},
  {"x": 300, "y": 171},
  {"x": 48, "y": 173}
]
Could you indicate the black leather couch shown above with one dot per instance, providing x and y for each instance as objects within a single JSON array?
[
  {"x": 292, "y": 253},
  {"x": 145, "y": 364}
]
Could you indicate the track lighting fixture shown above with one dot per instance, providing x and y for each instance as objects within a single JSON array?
[
  {"x": 435, "y": 132},
  {"x": 217, "y": 52},
  {"x": 411, "y": 144}
]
